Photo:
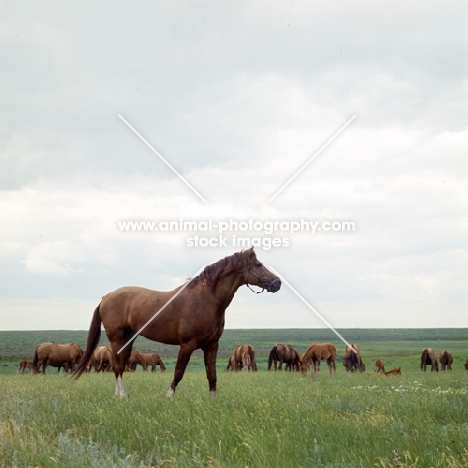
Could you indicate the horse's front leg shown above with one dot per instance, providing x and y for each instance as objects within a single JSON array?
[
  {"x": 183, "y": 359},
  {"x": 210, "y": 364}
]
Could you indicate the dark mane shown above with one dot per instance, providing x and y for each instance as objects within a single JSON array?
[{"x": 214, "y": 272}]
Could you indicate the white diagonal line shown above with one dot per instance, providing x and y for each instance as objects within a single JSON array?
[
  {"x": 160, "y": 310},
  {"x": 312, "y": 309},
  {"x": 312, "y": 158},
  {"x": 160, "y": 157}
]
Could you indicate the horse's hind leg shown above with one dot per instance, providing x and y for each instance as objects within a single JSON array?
[{"x": 118, "y": 339}]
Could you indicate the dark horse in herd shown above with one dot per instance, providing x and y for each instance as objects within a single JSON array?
[
  {"x": 284, "y": 354},
  {"x": 191, "y": 316}
]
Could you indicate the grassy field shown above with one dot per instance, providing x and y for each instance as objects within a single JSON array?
[{"x": 263, "y": 419}]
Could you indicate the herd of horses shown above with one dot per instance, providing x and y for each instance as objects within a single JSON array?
[
  {"x": 193, "y": 317},
  {"x": 68, "y": 356}
]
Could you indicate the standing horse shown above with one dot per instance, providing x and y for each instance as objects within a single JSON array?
[
  {"x": 428, "y": 357},
  {"x": 379, "y": 366},
  {"x": 352, "y": 359},
  {"x": 244, "y": 355},
  {"x": 102, "y": 357},
  {"x": 446, "y": 360},
  {"x": 152, "y": 360},
  {"x": 191, "y": 316},
  {"x": 316, "y": 353},
  {"x": 23, "y": 365},
  {"x": 135, "y": 359},
  {"x": 284, "y": 354},
  {"x": 56, "y": 355}
]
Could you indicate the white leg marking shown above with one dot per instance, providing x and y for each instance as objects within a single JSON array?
[
  {"x": 170, "y": 393},
  {"x": 119, "y": 388}
]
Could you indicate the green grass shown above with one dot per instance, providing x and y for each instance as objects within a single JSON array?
[
  {"x": 258, "y": 419},
  {"x": 263, "y": 419}
]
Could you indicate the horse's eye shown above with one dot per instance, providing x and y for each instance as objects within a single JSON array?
[{"x": 258, "y": 264}]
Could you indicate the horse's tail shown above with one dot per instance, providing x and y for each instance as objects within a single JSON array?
[
  {"x": 423, "y": 358},
  {"x": 271, "y": 357},
  {"x": 94, "y": 335},
  {"x": 35, "y": 360}
]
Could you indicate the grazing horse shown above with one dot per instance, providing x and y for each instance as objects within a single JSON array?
[
  {"x": 379, "y": 366},
  {"x": 316, "y": 353},
  {"x": 466, "y": 364},
  {"x": 244, "y": 355},
  {"x": 192, "y": 315},
  {"x": 428, "y": 357},
  {"x": 394, "y": 371},
  {"x": 152, "y": 360},
  {"x": 135, "y": 359},
  {"x": 102, "y": 357},
  {"x": 56, "y": 355},
  {"x": 352, "y": 359},
  {"x": 446, "y": 360},
  {"x": 284, "y": 354},
  {"x": 23, "y": 365}
]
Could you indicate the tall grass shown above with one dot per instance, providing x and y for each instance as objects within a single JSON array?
[{"x": 263, "y": 419}]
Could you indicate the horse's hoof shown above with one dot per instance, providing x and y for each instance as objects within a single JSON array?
[
  {"x": 213, "y": 393},
  {"x": 170, "y": 393}
]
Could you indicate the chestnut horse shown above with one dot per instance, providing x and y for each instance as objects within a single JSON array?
[
  {"x": 284, "y": 354},
  {"x": 232, "y": 364},
  {"x": 23, "y": 365},
  {"x": 379, "y": 366},
  {"x": 428, "y": 357},
  {"x": 191, "y": 316},
  {"x": 102, "y": 357},
  {"x": 56, "y": 355},
  {"x": 394, "y": 371},
  {"x": 244, "y": 355},
  {"x": 135, "y": 359},
  {"x": 316, "y": 353},
  {"x": 152, "y": 360},
  {"x": 446, "y": 360},
  {"x": 352, "y": 359}
]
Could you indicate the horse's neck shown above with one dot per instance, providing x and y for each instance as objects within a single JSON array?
[{"x": 227, "y": 287}]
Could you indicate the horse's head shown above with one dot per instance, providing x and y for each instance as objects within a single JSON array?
[{"x": 257, "y": 274}]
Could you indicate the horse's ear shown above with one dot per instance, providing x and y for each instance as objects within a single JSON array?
[{"x": 250, "y": 253}]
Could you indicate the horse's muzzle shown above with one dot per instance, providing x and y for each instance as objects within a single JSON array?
[{"x": 271, "y": 284}]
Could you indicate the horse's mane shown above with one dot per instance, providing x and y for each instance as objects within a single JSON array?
[{"x": 214, "y": 272}]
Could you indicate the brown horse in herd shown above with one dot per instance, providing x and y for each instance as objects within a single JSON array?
[
  {"x": 284, "y": 354},
  {"x": 56, "y": 355},
  {"x": 102, "y": 359},
  {"x": 192, "y": 315},
  {"x": 152, "y": 360},
  {"x": 316, "y": 353},
  {"x": 134, "y": 360},
  {"x": 23, "y": 365},
  {"x": 352, "y": 359},
  {"x": 446, "y": 360},
  {"x": 379, "y": 366},
  {"x": 428, "y": 357},
  {"x": 244, "y": 358},
  {"x": 394, "y": 371}
]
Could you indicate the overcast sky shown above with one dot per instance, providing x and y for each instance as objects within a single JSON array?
[{"x": 237, "y": 96}]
